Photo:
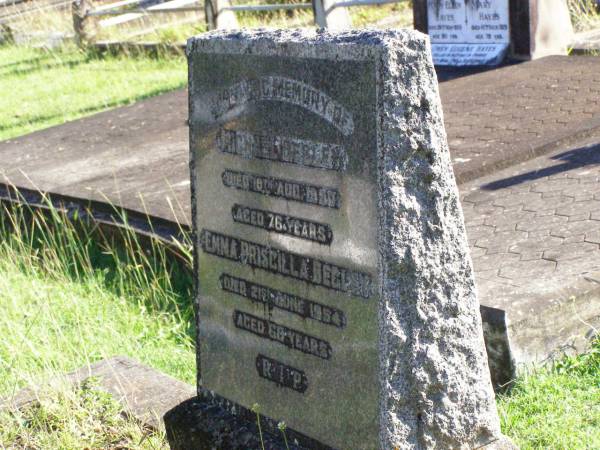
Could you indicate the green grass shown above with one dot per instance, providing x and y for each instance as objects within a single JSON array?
[
  {"x": 556, "y": 407},
  {"x": 80, "y": 418},
  {"x": 584, "y": 15},
  {"x": 57, "y": 325},
  {"x": 41, "y": 88},
  {"x": 71, "y": 295}
]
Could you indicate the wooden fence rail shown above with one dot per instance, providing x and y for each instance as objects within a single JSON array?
[{"x": 219, "y": 14}]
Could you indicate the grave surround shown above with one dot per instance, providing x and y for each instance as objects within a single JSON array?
[{"x": 335, "y": 288}]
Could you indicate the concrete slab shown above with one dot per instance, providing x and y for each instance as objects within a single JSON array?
[
  {"x": 137, "y": 157},
  {"x": 534, "y": 233},
  {"x": 145, "y": 393},
  {"x": 501, "y": 117},
  {"x": 586, "y": 43}
]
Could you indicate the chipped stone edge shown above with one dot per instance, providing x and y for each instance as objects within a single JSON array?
[{"x": 432, "y": 352}]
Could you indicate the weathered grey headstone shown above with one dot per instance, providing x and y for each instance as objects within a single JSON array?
[{"x": 335, "y": 287}]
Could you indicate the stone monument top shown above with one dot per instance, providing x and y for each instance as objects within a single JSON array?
[{"x": 335, "y": 289}]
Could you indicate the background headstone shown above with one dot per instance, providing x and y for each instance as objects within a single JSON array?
[
  {"x": 467, "y": 33},
  {"x": 551, "y": 28},
  {"x": 218, "y": 17},
  {"x": 335, "y": 287},
  {"x": 477, "y": 32}
]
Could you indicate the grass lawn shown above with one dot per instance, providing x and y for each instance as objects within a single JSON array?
[
  {"x": 53, "y": 326},
  {"x": 71, "y": 295},
  {"x": 57, "y": 325},
  {"x": 40, "y": 88},
  {"x": 556, "y": 408}
]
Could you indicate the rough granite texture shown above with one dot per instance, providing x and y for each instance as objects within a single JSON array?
[{"x": 435, "y": 389}]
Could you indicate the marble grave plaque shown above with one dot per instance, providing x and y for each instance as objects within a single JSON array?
[{"x": 468, "y": 32}]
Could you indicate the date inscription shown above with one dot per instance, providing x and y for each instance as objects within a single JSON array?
[
  {"x": 286, "y": 189},
  {"x": 288, "y": 264},
  {"x": 281, "y": 374},
  {"x": 293, "y": 339},
  {"x": 282, "y": 223},
  {"x": 273, "y": 298}
]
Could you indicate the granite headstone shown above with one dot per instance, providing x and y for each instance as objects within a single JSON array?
[{"x": 334, "y": 285}]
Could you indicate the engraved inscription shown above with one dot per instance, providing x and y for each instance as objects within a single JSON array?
[
  {"x": 288, "y": 264},
  {"x": 278, "y": 187},
  {"x": 285, "y": 90},
  {"x": 273, "y": 298},
  {"x": 293, "y": 339},
  {"x": 281, "y": 374},
  {"x": 282, "y": 149},
  {"x": 282, "y": 223}
]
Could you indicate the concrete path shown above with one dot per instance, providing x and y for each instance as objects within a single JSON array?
[
  {"x": 533, "y": 227},
  {"x": 534, "y": 233},
  {"x": 502, "y": 117}
]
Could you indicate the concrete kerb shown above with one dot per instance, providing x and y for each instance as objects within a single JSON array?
[{"x": 145, "y": 393}]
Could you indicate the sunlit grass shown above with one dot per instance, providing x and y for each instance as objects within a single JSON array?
[
  {"x": 556, "y": 407},
  {"x": 71, "y": 295},
  {"x": 585, "y": 14},
  {"x": 41, "y": 88},
  {"x": 75, "y": 418}
]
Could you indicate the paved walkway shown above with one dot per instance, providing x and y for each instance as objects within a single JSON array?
[
  {"x": 501, "y": 117},
  {"x": 534, "y": 233},
  {"x": 534, "y": 227}
]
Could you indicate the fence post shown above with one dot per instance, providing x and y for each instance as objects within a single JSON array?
[
  {"x": 6, "y": 34},
  {"x": 83, "y": 24},
  {"x": 328, "y": 16},
  {"x": 216, "y": 17}
]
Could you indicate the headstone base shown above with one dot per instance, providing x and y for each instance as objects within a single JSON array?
[{"x": 198, "y": 423}]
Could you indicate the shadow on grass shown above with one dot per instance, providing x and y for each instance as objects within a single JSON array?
[
  {"x": 32, "y": 68},
  {"x": 58, "y": 117},
  {"x": 37, "y": 59}
]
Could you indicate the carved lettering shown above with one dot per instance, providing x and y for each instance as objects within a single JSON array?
[
  {"x": 301, "y": 152},
  {"x": 293, "y": 339},
  {"x": 286, "y": 90},
  {"x": 282, "y": 223},
  {"x": 288, "y": 264},
  {"x": 281, "y": 374},
  {"x": 278, "y": 187},
  {"x": 273, "y": 298}
]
